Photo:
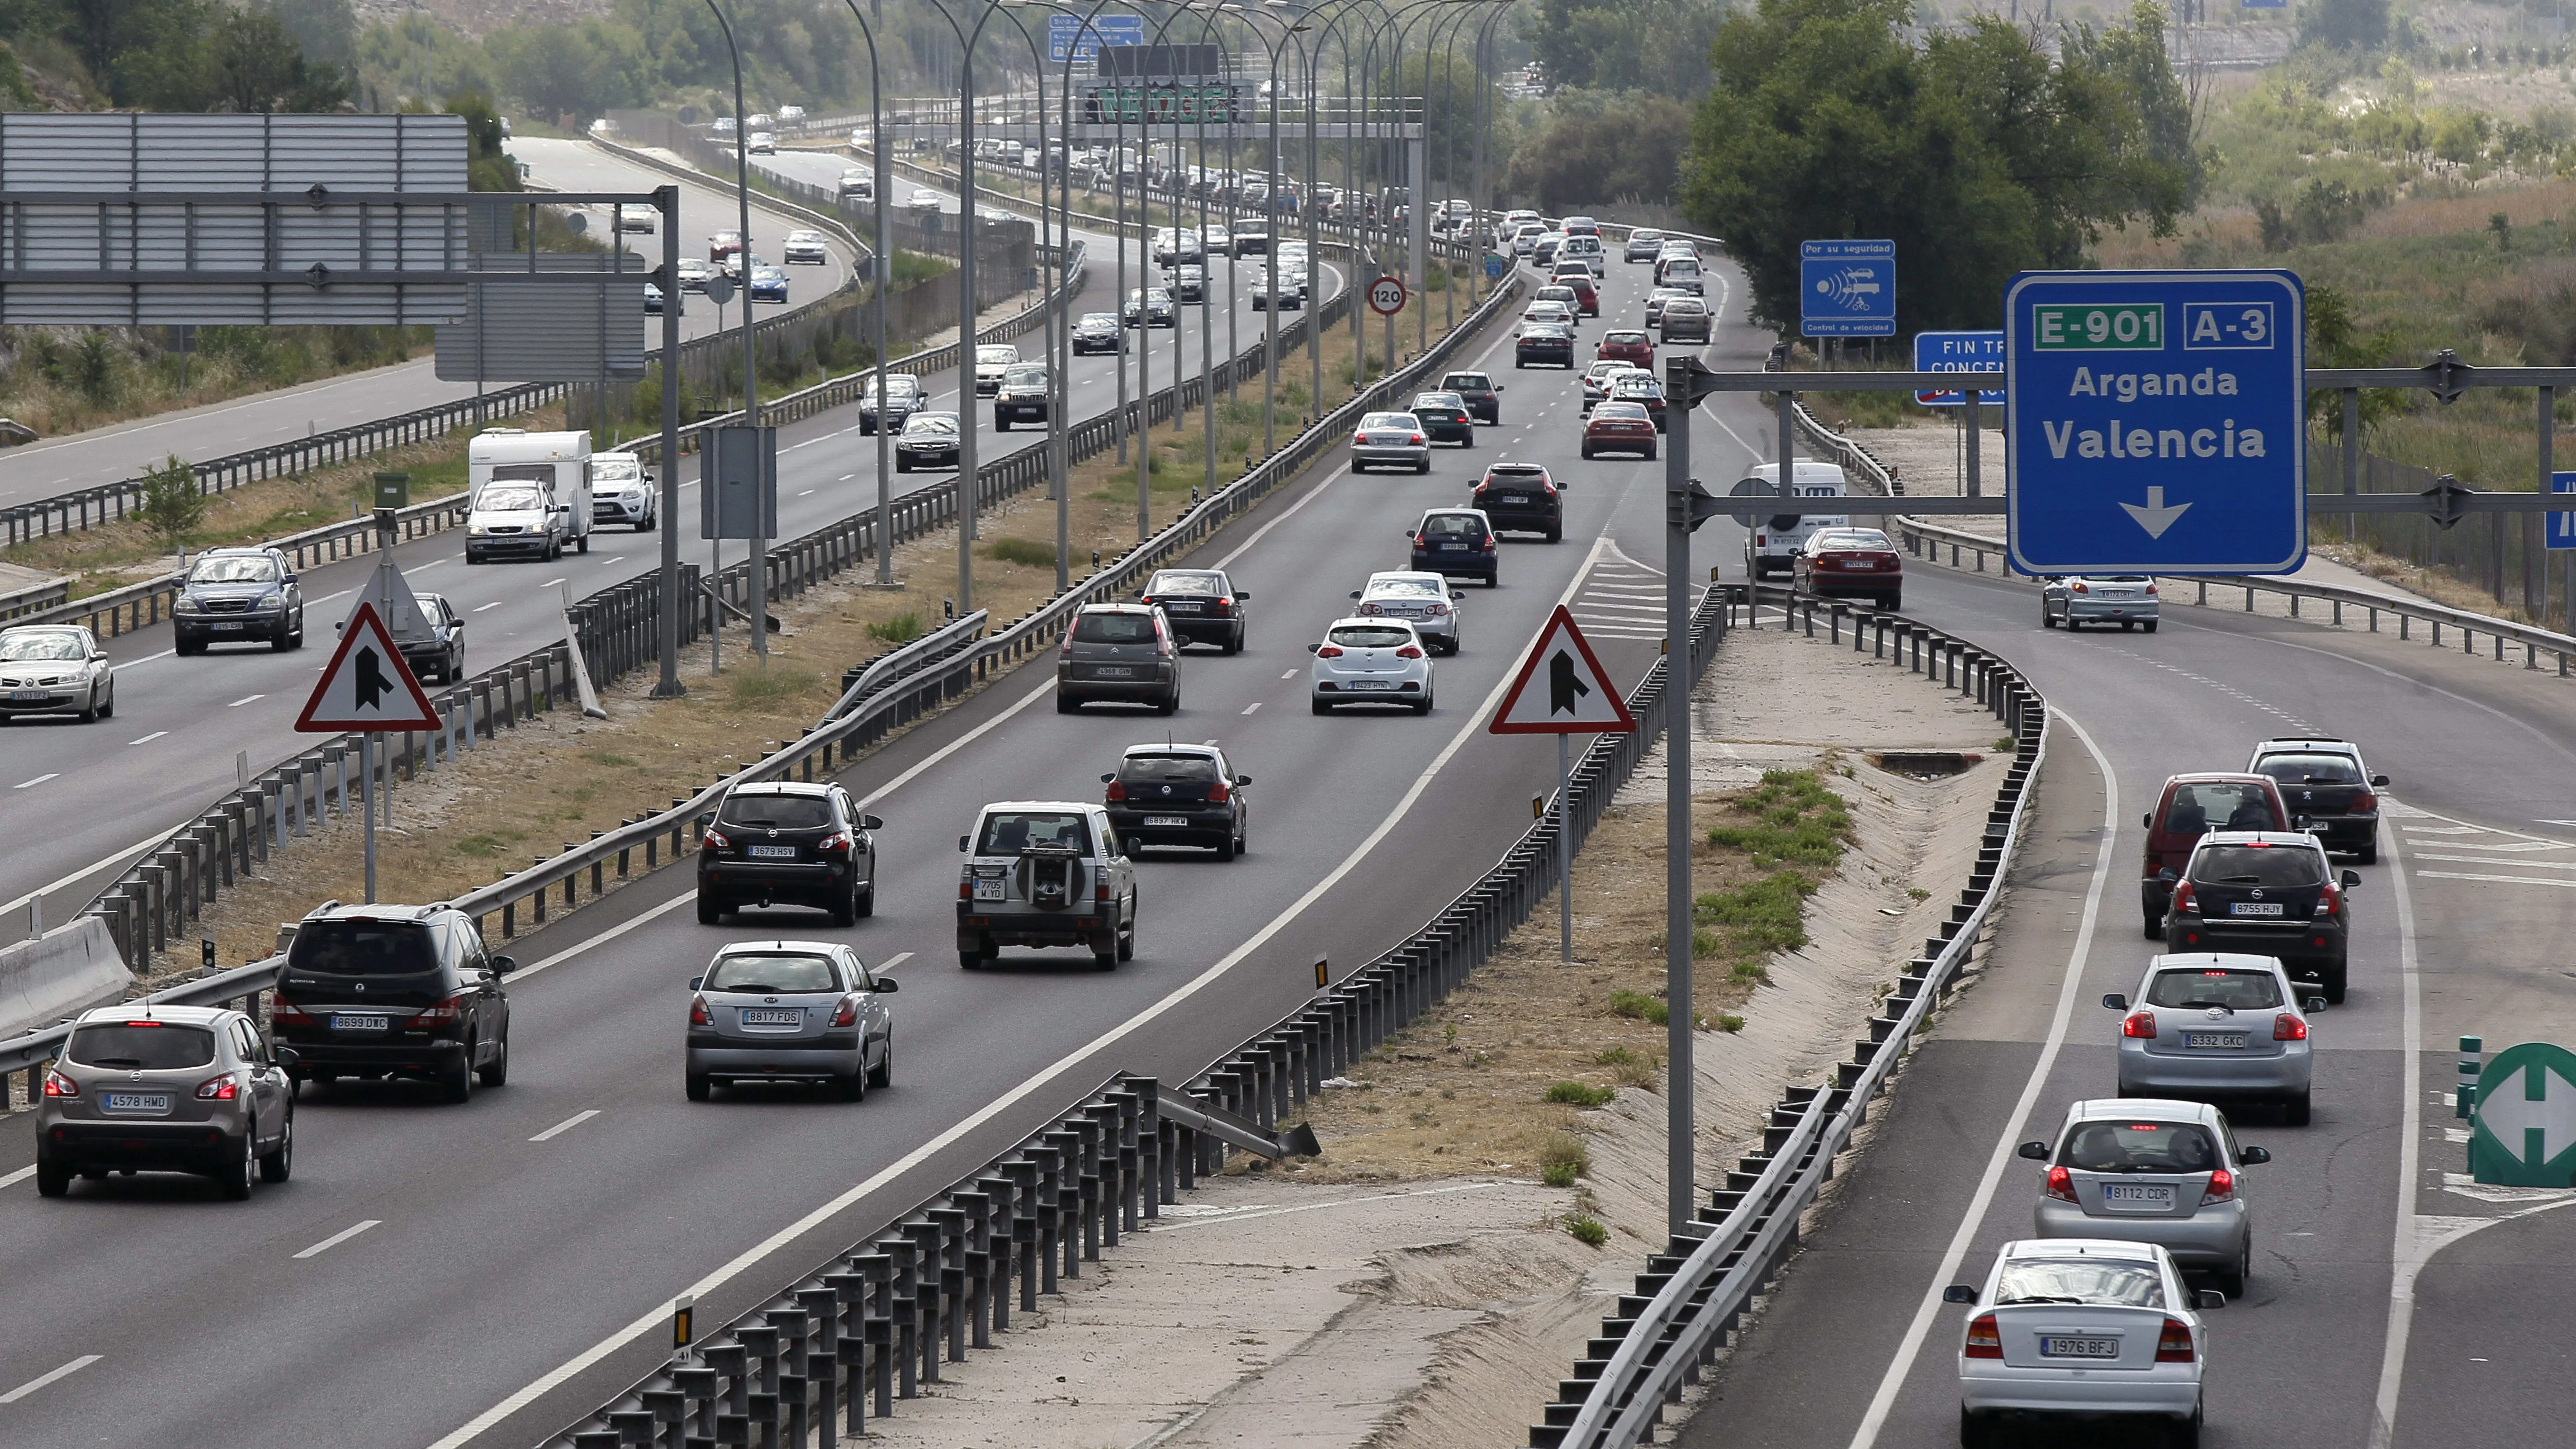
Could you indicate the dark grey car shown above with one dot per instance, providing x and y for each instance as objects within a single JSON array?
[
  {"x": 789, "y": 1011},
  {"x": 1122, "y": 653},
  {"x": 239, "y": 596}
]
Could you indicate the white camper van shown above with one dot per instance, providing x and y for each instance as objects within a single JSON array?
[
  {"x": 1775, "y": 538},
  {"x": 531, "y": 494}
]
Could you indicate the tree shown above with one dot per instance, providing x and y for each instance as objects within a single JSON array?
[
  {"x": 487, "y": 166},
  {"x": 2359, "y": 25},
  {"x": 259, "y": 67},
  {"x": 173, "y": 503},
  {"x": 1646, "y": 45},
  {"x": 1599, "y": 147}
]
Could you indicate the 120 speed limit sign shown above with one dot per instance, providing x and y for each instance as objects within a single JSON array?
[{"x": 1386, "y": 296}]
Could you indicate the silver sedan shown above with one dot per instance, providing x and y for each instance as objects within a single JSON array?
[
  {"x": 55, "y": 669},
  {"x": 2145, "y": 1170},
  {"x": 2075, "y": 600},
  {"x": 1390, "y": 440},
  {"x": 789, "y": 1011},
  {"x": 2213, "y": 1025}
]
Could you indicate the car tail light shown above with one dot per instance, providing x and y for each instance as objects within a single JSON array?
[
  {"x": 2289, "y": 1027},
  {"x": 2139, "y": 1024},
  {"x": 1221, "y": 606},
  {"x": 1100, "y": 892},
  {"x": 1551, "y": 489},
  {"x": 2329, "y": 901},
  {"x": 2061, "y": 1184},
  {"x": 1487, "y": 546},
  {"x": 1117, "y": 791},
  {"x": 2365, "y": 801},
  {"x": 2222, "y": 1187},
  {"x": 1219, "y": 793},
  {"x": 282, "y": 1012},
  {"x": 713, "y": 840},
  {"x": 847, "y": 1014},
  {"x": 1439, "y": 611},
  {"x": 698, "y": 1012},
  {"x": 1419, "y": 441},
  {"x": 2184, "y": 897},
  {"x": 1359, "y": 440},
  {"x": 443, "y": 1012},
  {"x": 1986, "y": 1341},
  {"x": 1409, "y": 651},
  {"x": 836, "y": 843},
  {"x": 1144, "y": 598},
  {"x": 219, "y": 1089},
  {"x": 1329, "y": 651},
  {"x": 2151, "y": 591},
  {"x": 2174, "y": 1344},
  {"x": 2077, "y": 588},
  {"x": 58, "y": 1085}
]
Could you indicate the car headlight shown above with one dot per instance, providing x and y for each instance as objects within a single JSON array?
[
  {"x": 475, "y": 530},
  {"x": 273, "y": 599},
  {"x": 188, "y": 605}
]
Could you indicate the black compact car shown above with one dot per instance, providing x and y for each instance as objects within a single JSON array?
[
  {"x": 928, "y": 440},
  {"x": 2329, "y": 791},
  {"x": 440, "y": 658},
  {"x": 1179, "y": 795},
  {"x": 2264, "y": 893},
  {"x": 784, "y": 842},
  {"x": 1201, "y": 606},
  {"x": 239, "y": 596},
  {"x": 1521, "y": 497},
  {"x": 1458, "y": 542},
  {"x": 1540, "y": 343},
  {"x": 380, "y": 992},
  {"x": 1098, "y": 332},
  {"x": 1483, "y": 395},
  {"x": 1444, "y": 418}
]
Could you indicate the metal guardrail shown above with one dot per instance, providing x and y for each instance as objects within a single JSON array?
[
  {"x": 34, "y": 598},
  {"x": 1699, "y": 1288},
  {"x": 903, "y": 658}
]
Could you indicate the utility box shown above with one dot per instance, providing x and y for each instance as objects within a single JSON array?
[{"x": 393, "y": 490}]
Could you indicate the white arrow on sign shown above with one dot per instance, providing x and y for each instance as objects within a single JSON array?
[
  {"x": 2155, "y": 518},
  {"x": 2508, "y": 1112}
]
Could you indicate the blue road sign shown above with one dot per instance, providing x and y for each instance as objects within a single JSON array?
[
  {"x": 1105, "y": 30},
  {"x": 1494, "y": 265},
  {"x": 1847, "y": 289},
  {"x": 2155, "y": 422},
  {"x": 1957, "y": 352},
  {"x": 2562, "y": 526}
]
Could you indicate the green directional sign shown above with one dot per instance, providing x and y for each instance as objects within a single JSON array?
[{"x": 2524, "y": 1134}]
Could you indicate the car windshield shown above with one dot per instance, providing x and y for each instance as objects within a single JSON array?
[
  {"x": 2222, "y": 805},
  {"x": 804, "y": 236},
  {"x": 514, "y": 498},
  {"x": 2215, "y": 986},
  {"x": 614, "y": 467},
  {"x": 1453, "y": 525},
  {"x": 767, "y": 274},
  {"x": 141, "y": 1046},
  {"x": 1098, "y": 320},
  {"x": 1369, "y": 636},
  {"x": 236, "y": 569},
  {"x": 2259, "y": 865},
  {"x": 27, "y": 644},
  {"x": 2107, "y": 1281},
  {"x": 1407, "y": 588},
  {"x": 1852, "y": 538},
  {"x": 2310, "y": 769},
  {"x": 2139, "y": 1147},
  {"x": 1185, "y": 581},
  {"x": 899, "y": 384},
  {"x": 1014, "y": 832},
  {"x": 1004, "y": 355},
  {"x": 1168, "y": 770},
  {"x": 360, "y": 947},
  {"x": 1114, "y": 629},
  {"x": 773, "y": 973},
  {"x": 930, "y": 423},
  {"x": 775, "y": 812},
  {"x": 1025, "y": 377}
]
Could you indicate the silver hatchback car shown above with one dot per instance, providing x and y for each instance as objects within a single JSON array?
[
  {"x": 2215, "y": 1026},
  {"x": 2149, "y": 1170},
  {"x": 142, "y": 1088},
  {"x": 789, "y": 1011}
]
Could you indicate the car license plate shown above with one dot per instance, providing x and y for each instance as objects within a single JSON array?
[
  {"x": 1453, "y": 548},
  {"x": 1371, "y": 684},
  {"x": 2138, "y": 1196},
  {"x": 2051, "y": 1346},
  {"x": 754, "y": 1016},
  {"x": 1113, "y": 671},
  {"x": 990, "y": 890},
  {"x": 28, "y": 696},
  {"x": 137, "y": 1101},
  {"x": 1167, "y": 820},
  {"x": 230, "y": 624},
  {"x": 1180, "y": 608},
  {"x": 2223, "y": 1040},
  {"x": 773, "y": 852},
  {"x": 1516, "y": 498},
  {"x": 360, "y": 1023},
  {"x": 2254, "y": 908}
]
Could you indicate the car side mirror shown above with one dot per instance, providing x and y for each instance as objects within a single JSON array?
[
  {"x": 885, "y": 984},
  {"x": 2379, "y": 780},
  {"x": 1243, "y": 779},
  {"x": 871, "y": 822},
  {"x": 2147, "y": 821},
  {"x": 503, "y": 965},
  {"x": 2168, "y": 875},
  {"x": 1311, "y": 648},
  {"x": 2115, "y": 1001},
  {"x": 2255, "y": 1156},
  {"x": 1498, "y": 387},
  {"x": 1457, "y": 593},
  {"x": 2350, "y": 879},
  {"x": 1355, "y": 593},
  {"x": 2209, "y": 1298},
  {"x": 961, "y": 845},
  {"x": 2035, "y": 1151},
  {"x": 1242, "y": 594},
  {"x": 286, "y": 1056},
  {"x": 1112, "y": 775},
  {"x": 696, "y": 981},
  {"x": 1959, "y": 1293},
  {"x": 2313, "y": 1005},
  {"x": 290, "y": 580}
]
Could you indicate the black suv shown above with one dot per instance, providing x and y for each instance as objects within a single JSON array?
[
  {"x": 1202, "y": 606},
  {"x": 2328, "y": 790},
  {"x": 394, "y": 991},
  {"x": 2264, "y": 893},
  {"x": 782, "y": 842},
  {"x": 1179, "y": 795},
  {"x": 1483, "y": 395},
  {"x": 236, "y": 596},
  {"x": 1521, "y": 497}
]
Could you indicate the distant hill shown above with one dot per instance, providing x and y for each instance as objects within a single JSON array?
[{"x": 477, "y": 18}]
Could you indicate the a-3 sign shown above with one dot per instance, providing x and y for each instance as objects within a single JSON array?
[
  {"x": 2156, "y": 422},
  {"x": 2524, "y": 1134},
  {"x": 1575, "y": 698},
  {"x": 366, "y": 687}
]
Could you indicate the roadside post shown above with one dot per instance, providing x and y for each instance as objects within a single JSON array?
[
  {"x": 1578, "y": 698},
  {"x": 2523, "y": 1132},
  {"x": 367, "y": 690}
]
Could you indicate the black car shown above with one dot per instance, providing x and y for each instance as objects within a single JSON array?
[
  {"x": 1458, "y": 542},
  {"x": 929, "y": 440},
  {"x": 237, "y": 596},
  {"x": 1151, "y": 307},
  {"x": 2329, "y": 791},
  {"x": 1098, "y": 332},
  {"x": 2264, "y": 893},
  {"x": 904, "y": 397},
  {"x": 1521, "y": 497},
  {"x": 379, "y": 992},
  {"x": 1022, "y": 396},
  {"x": 1202, "y": 606},
  {"x": 1179, "y": 795},
  {"x": 784, "y": 842},
  {"x": 1445, "y": 418},
  {"x": 1540, "y": 342},
  {"x": 1189, "y": 283},
  {"x": 1483, "y": 395},
  {"x": 440, "y": 658}
]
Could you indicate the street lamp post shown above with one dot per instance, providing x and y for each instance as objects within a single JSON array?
[
  {"x": 881, "y": 269},
  {"x": 759, "y": 570}
]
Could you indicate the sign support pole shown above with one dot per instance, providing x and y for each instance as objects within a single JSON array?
[
  {"x": 1564, "y": 855},
  {"x": 1681, "y": 1082},
  {"x": 367, "y": 786},
  {"x": 667, "y": 201},
  {"x": 1972, "y": 412}
]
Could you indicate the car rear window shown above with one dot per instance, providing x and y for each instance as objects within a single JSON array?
[
  {"x": 774, "y": 972},
  {"x": 1014, "y": 832},
  {"x": 1407, "y": 589},
  {"x": 1624, "y": 339},
  {"x": 352, "y": 947},
  {"x": 2309, "y": 769},
  {"x": 1387, "y": 420},
  {"x": 2215, "y": 986},
  {"x": 1466, "y": 382},
  {"x": 1168, "y": 770},
  {"x": 2198, "y": 809},
  {"x": 1371, "y": 636},
  {"x": 2258, "y": 865},
  {"x": 1852, "y": 538},
  {"x": 776, "y": 812},
  {"x": 1113, "y": 629},
  {"x": 141, "y": 1046},
  {"x": 2080, "y": 1280},
  {"x": 2139, "y": 1147},
  {"x": 1455, "y": 525},
  {"x": 1181, "y": 581},
  {"x": 1620, "y": 411}
]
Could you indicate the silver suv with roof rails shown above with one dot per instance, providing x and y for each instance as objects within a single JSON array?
[
  {"x": 146, "y": 1088},
  {"x": 1045, "y": 873}
]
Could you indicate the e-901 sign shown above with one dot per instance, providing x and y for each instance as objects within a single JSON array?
[{"x": 2139, "y": 328}]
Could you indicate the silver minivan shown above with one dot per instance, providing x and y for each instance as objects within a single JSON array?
[
  {"x": 789, "y": 1011},
  {"x": 2152, "y": 1170}
]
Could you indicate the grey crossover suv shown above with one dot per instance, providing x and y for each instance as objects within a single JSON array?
[
  {"x": 166, "y": 1089},
  {"x": 1121, "y": 653},
  {"x": 789, "y": 1011}
]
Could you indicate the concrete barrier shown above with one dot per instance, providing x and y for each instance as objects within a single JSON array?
[{"x": 61, "y": 973}]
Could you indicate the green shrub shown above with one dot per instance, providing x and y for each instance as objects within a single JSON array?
[
  {"x": 1576, "y": 1094},
  {"x": 1729, "y": 1021},
  {"x": 1586, "y": 1230},
  {"x": 173, "y": 502},
  {"x": 1797, "y": 820},
  {"x": 1638, "y": 1006},
  {"x": 1562, "y": 1159},
  {"x": 903, "y": 628},
  {"x": 1021, "y": 551}
]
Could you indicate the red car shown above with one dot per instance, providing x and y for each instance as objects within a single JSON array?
[
  {"x": 1849, "y": 563},
  {"x": 1624, "y": 346},
  {"x": 1587, "y": 294},
  {"x": 1619, "y": 427},
  {"x": 2189, "y": 807}
]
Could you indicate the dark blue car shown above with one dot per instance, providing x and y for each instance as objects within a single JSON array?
[{"x": 1457, "y": 542}]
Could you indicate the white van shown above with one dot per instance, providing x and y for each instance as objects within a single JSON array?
[
  {"x": 1775, "y": 538},
  {"x": 1588, "y": 249},
  {"x": 531, "y": 494}
]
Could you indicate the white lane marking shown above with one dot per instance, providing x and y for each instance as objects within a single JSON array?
[
  {"x": 2505, "y": 879},
  {"x": 805, "y": 493},
  {"x": 245, "y": 699},
  {"x": 891, "y": 962},
  {"x": 326, "y": 598},
  {"x": 1291, "y": 674},
  {"x": 21, "y": 1175},
  {"x": 342, "y": 1236},
  {"x": 2500, "y": 847},
  {"x": 1249, "y": 708},
  {"x": 2516, "y": 863},
  {"x": 38, "y": 1382},
  {"x": 1893, "y": 1381},
  {"x": 550, "y": 583},
  {"x": 40, "y": 779},
  {"x": 479, "y": 608},
  {"x": 752, "y": 1256},
  {"x": 566, "y": 1125},
  {"x": 2412, "y": 1244},
  {"x": 147, "y": 739}
]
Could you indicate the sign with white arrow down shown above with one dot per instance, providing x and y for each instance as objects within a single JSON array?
[{"x": 2524, "y": 1134}]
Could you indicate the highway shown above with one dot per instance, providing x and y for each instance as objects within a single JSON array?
[
  {"x": 186, "y": 719},
  {"x": 513, "y": 1262}
]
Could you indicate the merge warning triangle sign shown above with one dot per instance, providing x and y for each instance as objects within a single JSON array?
[
  {"x": 366, "y": 686},
  {"x": 1562, "y": 689}
]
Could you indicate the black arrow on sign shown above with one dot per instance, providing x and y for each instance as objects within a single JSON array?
[
  {"x": 1564, "y": 684},
  {"x": 372, "y": 684}
]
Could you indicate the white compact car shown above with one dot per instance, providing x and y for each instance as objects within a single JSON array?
[
  {"x": 991, "y": 361},
  {"x": 1421, "y": 599},
  {"x": 806, "y": 246},
  {"x": 2081, "y": 1328},
  {"x": 1371, "y": 661}
]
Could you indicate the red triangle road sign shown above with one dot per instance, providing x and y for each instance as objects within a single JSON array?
[
  {"x": 366, "y": 686},
  {"x": 1575, "y": 696}
]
